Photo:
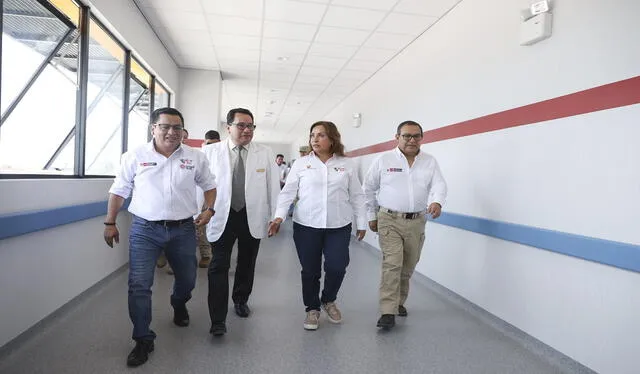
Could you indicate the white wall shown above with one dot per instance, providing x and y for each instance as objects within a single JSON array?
[
  {"x": 41, "y": 271},
  {"x": 576, "y": 175},
  {"x": 123, "y": 18},
  {"x": 199, "y": 101},
  {"x": 281, "y": 148}
]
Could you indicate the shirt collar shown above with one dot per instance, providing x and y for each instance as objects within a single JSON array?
[
  {"x": 401, "y": 155},
  {"x": 151, "y": 148},
  {"x": 232, "y": 145}
]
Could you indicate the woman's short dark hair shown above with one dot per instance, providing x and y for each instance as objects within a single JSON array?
[{"x": 334, "y": 135}]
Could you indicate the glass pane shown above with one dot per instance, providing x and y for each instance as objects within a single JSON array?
[
  {"x": 138, "y": 115},
  {"x": 140, "y": 73},
  {"x": 30, "y": 33},
  {"x": 48, "y": 109},
  {"x": 105, "y": 103},
  {"x": 161, "y": 97}
]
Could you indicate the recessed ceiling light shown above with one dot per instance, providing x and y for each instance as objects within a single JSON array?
[
  {"x": 283, "y": 58},
  {"x": 268, "y": 114},
  {"x": 271, "y": 102}
]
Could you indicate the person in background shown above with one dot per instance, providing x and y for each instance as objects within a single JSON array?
[
  {"x": 304, "y": 150},
  {"x": 162, "y": 220},
  {"x": 283, "y": 169},
  {"x": 210, "y": 137},
  {"x": 185, "y": 135},
  {"x": 402, "y": 187},
  {"x": 330, "y": 194},
  {"x": 204, "y": 247},
  {"x": 248, "y": 186}
]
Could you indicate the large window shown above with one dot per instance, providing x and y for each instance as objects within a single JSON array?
[
  {"x": 161, "y": 97},
  {"x": 139, "y": 102},
  {"x": 105, "y": 100},
  {"x": 39, "y": 78},
  {"x": 58, "y": 81}
]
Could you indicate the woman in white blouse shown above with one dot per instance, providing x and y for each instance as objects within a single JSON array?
[{"x": 330, "y": 194}]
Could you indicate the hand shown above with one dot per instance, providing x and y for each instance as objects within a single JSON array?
[
  {"x": 434, "y": 209},
  {"x": 274, "y": 227},
  {"x": 203, "y": 218},
  {"x": 373, "y": 225},
  {"x": 360, "y": 234},
  {"x": 111, "y": 234}
]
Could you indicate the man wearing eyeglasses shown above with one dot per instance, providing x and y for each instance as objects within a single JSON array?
[
  {"x": 402, "y": 187},
  {"x": 248, "y": 187},
  {"x": 161, "y": 176}
]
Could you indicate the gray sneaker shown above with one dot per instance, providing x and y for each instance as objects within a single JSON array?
[
  {"x": 333, "y": 313},
  {"x": 311, "y": 322}
]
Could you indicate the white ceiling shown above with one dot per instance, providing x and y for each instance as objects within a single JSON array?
[{"x": 289, "y": 61}]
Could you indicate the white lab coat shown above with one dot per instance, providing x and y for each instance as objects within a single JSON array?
[{"x": 262, "y": 185}]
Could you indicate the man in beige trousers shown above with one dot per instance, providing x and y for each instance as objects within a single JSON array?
[{"x": 402, "y": 186}]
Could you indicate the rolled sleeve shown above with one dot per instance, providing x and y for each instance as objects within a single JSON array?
[
  {"x": 438, "y": 193},
  {"x": 288, "y": 193},
  {"x": 123, "y": 183},
  {"x": 205, "y": 179},
  {"x": 371, "y": 187},
  {"x": 357, "y": 199}
]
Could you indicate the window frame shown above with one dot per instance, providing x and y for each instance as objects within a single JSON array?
[{"x": 79, "y": 129}]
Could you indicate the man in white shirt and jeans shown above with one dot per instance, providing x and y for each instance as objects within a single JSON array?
[
  {"x": 402, "y": 186},
  {"x": 162, "y": 176}
]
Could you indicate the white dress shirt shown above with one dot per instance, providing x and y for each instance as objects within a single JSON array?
[
  {"x": 330, "y": 193},
  {"x": 390, "y": 183},
  {"x": 163, "y": 188},
  {"x": 233, "y": 155},
  {"x": 283, "y": 172}
]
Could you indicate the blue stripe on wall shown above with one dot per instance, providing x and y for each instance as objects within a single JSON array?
[
  {"x": 621, "y": 255},
  {"x": 27, "y": 222}
]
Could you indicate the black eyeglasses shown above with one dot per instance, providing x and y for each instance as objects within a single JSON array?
[
  {"x": 165, "y": 127},
  {"x": 242, "y": 126},
  {"x": 408, "y": 137}
]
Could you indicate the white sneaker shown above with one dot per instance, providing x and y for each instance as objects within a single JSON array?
[
  {"x": 312, "y": 320},
  {"x": 333, "y": 313}
]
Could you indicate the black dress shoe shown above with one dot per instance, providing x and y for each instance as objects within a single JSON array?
[
  {"x": 140, "y": 353},
  {"x": 180, "y": 316},
  {"x": 387, "y": 321},
  {"x": 402, "y": 311},
  {"x": 242, "y": 310},
  {"x": 218, "y": 329}
]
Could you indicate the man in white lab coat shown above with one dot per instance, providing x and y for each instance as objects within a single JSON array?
[{"x": 248, "y": 185}]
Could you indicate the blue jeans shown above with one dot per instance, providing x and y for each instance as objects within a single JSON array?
[
  {"x": 146, "y": 241},
  {"x": 311, "y": 244}
]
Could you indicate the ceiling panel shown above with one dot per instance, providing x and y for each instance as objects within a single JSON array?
[
  {"x": 352, "y": 18},
  {"x": 332, "y": 50},
  {"x": 388, "y": 41},
  {"x": 434, "y": 8},
  {"x": 341, "y": 36},
  {"x": 239, "y": 8},
  {"x": 287, "y": 10},
  {"x": 234, "y": 25},
  {"x": 295, "y": 60},
  {"x": 289, "y": 30},
  {"x": 285, "y": 47},
  {"x": 398, "y": 23},
  {"x": 384, "y": 5}
]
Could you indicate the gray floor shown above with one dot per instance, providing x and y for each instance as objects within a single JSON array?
[{"x": 437, "y": 337}]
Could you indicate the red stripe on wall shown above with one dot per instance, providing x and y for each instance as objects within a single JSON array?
[{"x": 609, "y": 96}]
